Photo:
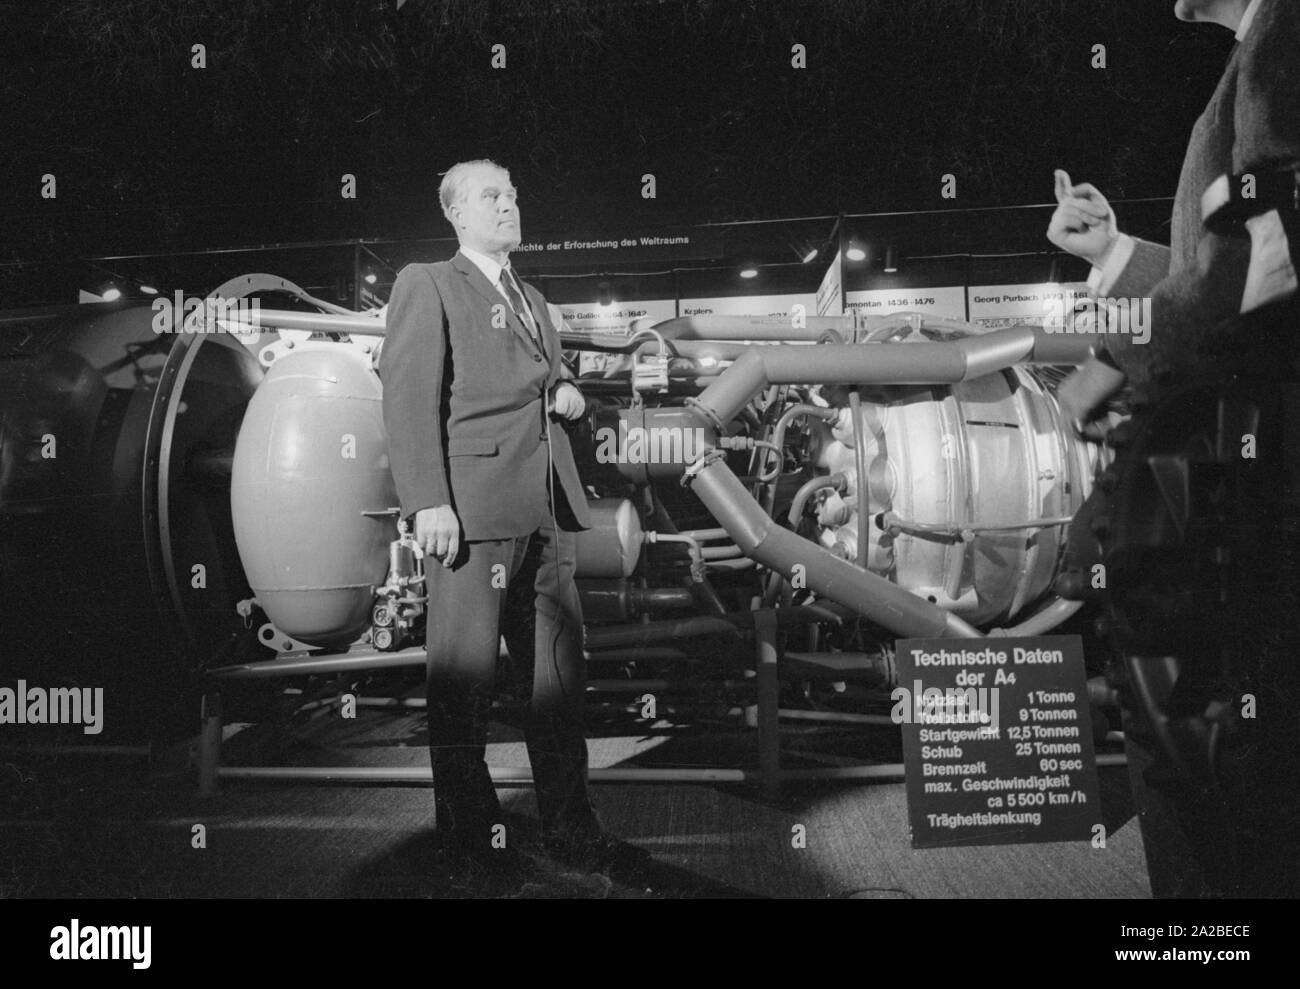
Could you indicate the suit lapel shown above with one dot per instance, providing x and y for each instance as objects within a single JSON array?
[
  {"x": 537, "y": 305},
  {"x": 488, "y": 291}
]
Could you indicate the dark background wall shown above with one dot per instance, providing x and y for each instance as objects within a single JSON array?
[{"x": 153, "y": 155}]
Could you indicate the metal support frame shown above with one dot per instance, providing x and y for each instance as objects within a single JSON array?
[
  {"x": 767, "y": 716},
  {"x": 766, "y": 652}
]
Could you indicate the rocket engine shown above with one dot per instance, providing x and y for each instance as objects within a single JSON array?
[
  {"x": 225, "y": 496},
  {"x": 919, "y": 477}
]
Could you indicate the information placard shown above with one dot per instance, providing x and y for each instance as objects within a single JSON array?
[
  {"x": 751, "y": 305},
  {"x": 997, "y": 306},
  {"x": 949, "y": 302},
  {"x": 830, "y": 295},
  {"x": 997, "y": 740}
]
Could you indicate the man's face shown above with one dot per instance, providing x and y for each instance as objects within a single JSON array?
[{"x": 487, "y": 217}]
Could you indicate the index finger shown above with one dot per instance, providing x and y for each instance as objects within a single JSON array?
[{"x": 1088, "y": 191}]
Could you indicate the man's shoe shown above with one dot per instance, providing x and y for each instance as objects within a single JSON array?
[
  {"x": 594, "y": 851},
  {"x": 475, "y": 854}
]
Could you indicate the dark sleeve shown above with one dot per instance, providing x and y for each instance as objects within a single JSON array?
[
  {"x": 1185, "y": 307},
  {"x": 1148, "y": 266},
  {"x": 1188, "y": 305},
  {"x": 1267, "y": 113},
  {"x": 411, "y": 368}
]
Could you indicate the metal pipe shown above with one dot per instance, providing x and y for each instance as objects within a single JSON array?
[
  {"x": 894, "y": 524},
  {"x": 355, "y": 324},
  {"x": 646, "y": 632},
  {"x": 860, "y": 458},
  {"x": 692, "y": 547},
  {"x": 749, "y": 327},
  {"x": 500, "y": 774},
  {"x": 703, "y": 535},
  {"x": 806, "y": 491},
  {"x": 311, "y": 664},
  {"x": 699, "y": 333},
  {"x": 694, "y": 350},
  {"x": 887, "y": 364},
  {"x": 1044, "y": 619},
  {"x": 660, "y": 631},
  {"x": 616, "y": 686},
  {"x": 637, "y": 655},
  {"x": 210, "y": 729},
  {"x": 507, "y": 776},
  {"x": 844, "y": 717},
  {"x": 766, "y": 655},
  {"x": 778, "y": 433},
  {"x": 760, "y": 538},
  {"x": 652, "y": 598},
  {"x": 699, "y": 585},
  {"x": 720, "y": 552},
  {"x": 884, "y": 771},
  {"x": 136, "y": 751}
]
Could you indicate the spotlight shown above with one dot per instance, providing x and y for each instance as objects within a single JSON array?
[
  {"x": 606, "y": 295},
  {"x": 811, "y": 256},
  {"x": 855, "y": 253},
  {"x": 370, "y": 278},
  {"x": 749, "y": 272},
  {"x": 891, "y": 260},
  {"x": 148, "y": 290},
  {"x": 111, "y": 293}
]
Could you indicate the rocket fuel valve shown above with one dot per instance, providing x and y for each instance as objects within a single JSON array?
[{"x": 399, "y": 603}]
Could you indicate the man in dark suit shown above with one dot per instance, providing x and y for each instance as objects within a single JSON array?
[
  {"x": 1250, "y": 126},
  {"x": 473, "y": 388},
  {"x": 1200, "y": 288}
]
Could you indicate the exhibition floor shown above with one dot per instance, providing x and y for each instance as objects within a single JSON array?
[{"x": 103, "y": 826}]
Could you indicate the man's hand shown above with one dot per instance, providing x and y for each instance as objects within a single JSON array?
[
  {"x": 566, "y": 401},
  {"x": 1083, "y": 224},
  {"x": 437, "y": 531},
  {"x": 1081, "y": 396}
]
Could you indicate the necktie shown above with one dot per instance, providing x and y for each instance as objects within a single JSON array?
[{"x": 516, "y": 297}]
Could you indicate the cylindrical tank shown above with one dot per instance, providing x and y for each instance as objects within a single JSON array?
[
  {"x": 311, "y": 458},
  {"x": 612, "y": 546}
]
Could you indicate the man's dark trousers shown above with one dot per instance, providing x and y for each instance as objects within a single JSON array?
[{"x": 523, "y": 588}]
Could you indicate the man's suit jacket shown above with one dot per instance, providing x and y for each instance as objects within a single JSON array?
[
  {"x": 465, "y": 392},
  {"x": 1252, "y": 123}
]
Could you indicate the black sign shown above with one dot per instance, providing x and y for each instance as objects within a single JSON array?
[
  {"x": 997, "y": 740},
  {"x": 676, "y": 244}
]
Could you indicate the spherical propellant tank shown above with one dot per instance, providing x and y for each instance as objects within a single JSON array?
[{"x": 311, "y": 458}]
